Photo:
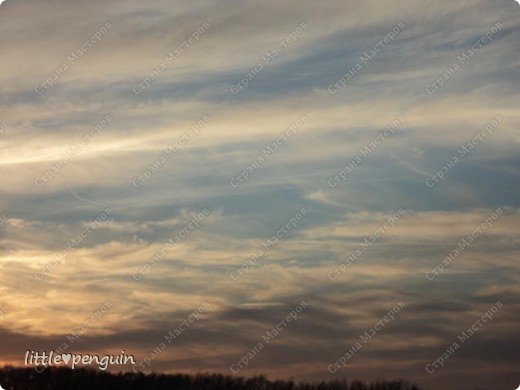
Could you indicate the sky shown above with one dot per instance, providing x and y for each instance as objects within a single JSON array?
[{"x": 220, "y": 165}]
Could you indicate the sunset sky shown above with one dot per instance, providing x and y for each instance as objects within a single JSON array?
[{"x": 214, "y": 124}]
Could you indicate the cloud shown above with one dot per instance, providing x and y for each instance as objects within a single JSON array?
[{"x": 39, "y": 130}]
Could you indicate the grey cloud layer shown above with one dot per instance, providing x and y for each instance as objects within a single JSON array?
[{"x": 39, "y": 130}]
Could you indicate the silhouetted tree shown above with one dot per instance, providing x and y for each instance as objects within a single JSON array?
[{"x": 62, "y": 378}]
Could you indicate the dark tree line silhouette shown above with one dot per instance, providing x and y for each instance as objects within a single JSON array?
[{"x": 62, "y": 378}]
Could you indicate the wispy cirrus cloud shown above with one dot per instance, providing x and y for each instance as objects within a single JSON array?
[{"x": 39, "y": 222}]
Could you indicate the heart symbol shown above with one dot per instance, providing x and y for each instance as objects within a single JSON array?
[{"x": 66, "y": 357}]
